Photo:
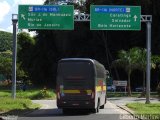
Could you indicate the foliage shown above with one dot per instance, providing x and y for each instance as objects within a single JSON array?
[
  {"x": 142, "y": 63},
  {"x": 25, "y": 52},
  {"x": 6, "y": 63},
  {"x": 20, "y": 73},
  {"x": 42, "y": 94},
  {"x": 128, "y": 61},
  {"x": 5, "y": 41},
  {"x": 141, "y": 59}
]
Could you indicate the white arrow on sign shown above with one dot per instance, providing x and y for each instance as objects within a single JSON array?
[
  {"x": 23, "y": 16},
  {"x": 135, "y": 18}
]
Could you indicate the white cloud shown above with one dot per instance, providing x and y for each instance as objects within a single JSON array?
[
  {"x": 4, "y": 8},
  {"x": 27, "y": 2},
  {"x": 9, "y": 7},
  {"x": 34, "y": 2},
  {"x": 1, "y": 29},
  {"x": 10, "y": 28}
]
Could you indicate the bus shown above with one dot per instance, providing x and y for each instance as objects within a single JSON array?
[{"x": 81, "y": 84}]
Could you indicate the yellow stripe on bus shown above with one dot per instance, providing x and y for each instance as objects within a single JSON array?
[
  {"x": 99, "y": 88},
  {"x": 104, "y": 87},
  {"x": 89, "y": 91},
  {"x": 77, "y": 91},
  {"x": 71, "y": 91}
]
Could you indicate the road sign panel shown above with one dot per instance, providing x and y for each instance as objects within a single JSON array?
[
  {"x": 46, "y": 17},
  {"x": 120, "y": 83},
  {"x": 104, "y": 17}
]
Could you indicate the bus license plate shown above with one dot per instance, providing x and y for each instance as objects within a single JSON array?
[{"x": 75, "y": 104}]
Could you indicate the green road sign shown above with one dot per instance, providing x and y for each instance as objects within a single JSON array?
[
  {"x": 103, "y": 17},
  {"x": 46, "y": 17}
]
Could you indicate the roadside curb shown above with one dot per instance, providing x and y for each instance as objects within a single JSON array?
[
  {"x": 19, "y": 115},
  {"x": 128, "y": 110},
  {"x": 28, "y": 112}
]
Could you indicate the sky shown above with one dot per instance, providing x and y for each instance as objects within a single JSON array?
[{"x": 9, "y": 7}]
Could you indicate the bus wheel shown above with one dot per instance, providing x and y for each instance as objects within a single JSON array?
[
  {"x": 102, "y": 107},
  {"x": 96, "y": 110},
  {"x": 105, "y": 99},
  {"x": 98, "y": 106},
  {"x": 65, "y": 111}
]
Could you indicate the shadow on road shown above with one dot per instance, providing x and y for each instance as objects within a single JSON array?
[{"x": 57, "y": 112}]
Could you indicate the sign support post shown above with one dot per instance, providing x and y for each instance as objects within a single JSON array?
[
  {"x": 14, "y": 21},
  {"x": 148, "y": 23}
]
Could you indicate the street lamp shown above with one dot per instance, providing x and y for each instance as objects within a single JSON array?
[
  {"x": 14, "y": 21},
  {"x": 15, "y": 17}
]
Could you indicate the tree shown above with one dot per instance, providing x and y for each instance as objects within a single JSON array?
[
  {"x": 142, "y": 63},
  {"x": 6, "y": 63},
  {"x": 127, "y": 60},
  {"x": 25, "y": 52},
  {"x": 5, "y": 41}
]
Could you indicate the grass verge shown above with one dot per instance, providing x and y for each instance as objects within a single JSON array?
[
  {"x": 149, "y": 111},
  {"x": 134, "y": 94},
  {"x": 30, "y": 94},
  {"x": 18, "y": 106}
]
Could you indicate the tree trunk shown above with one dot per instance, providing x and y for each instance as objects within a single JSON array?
[{"x": 129, "y": 84}]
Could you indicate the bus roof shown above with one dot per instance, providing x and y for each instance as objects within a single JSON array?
[
  {"x": 81, "y": 59},
  {"x": 75, "y": 59}
]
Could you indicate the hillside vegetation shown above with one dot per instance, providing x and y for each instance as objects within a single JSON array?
[{"x": 5, "y": 41}]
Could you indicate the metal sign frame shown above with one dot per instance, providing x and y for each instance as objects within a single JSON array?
[
  {"x": 148, "y": 20},
  {"x": 85, "y": 18}
]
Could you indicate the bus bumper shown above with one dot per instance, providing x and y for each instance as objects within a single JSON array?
[{"x": 76, "y": 104}]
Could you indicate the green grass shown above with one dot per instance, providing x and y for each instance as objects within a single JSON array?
[
  {"x": 23, "y": 102},
  {"x": 4, "y": 93},
  {"x": 152, "y": 110},
  {"x": 30, "y": 94},
  {"x": 16, "y": 106},
  {"x": 134, "y": 94}
]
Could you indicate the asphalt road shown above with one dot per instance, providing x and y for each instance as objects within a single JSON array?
[{"x": 49, "y": 111}]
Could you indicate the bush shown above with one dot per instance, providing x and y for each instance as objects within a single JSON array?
[
  {"x": 29, "y": 93},
  {"x": 42, "y": 94}
]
